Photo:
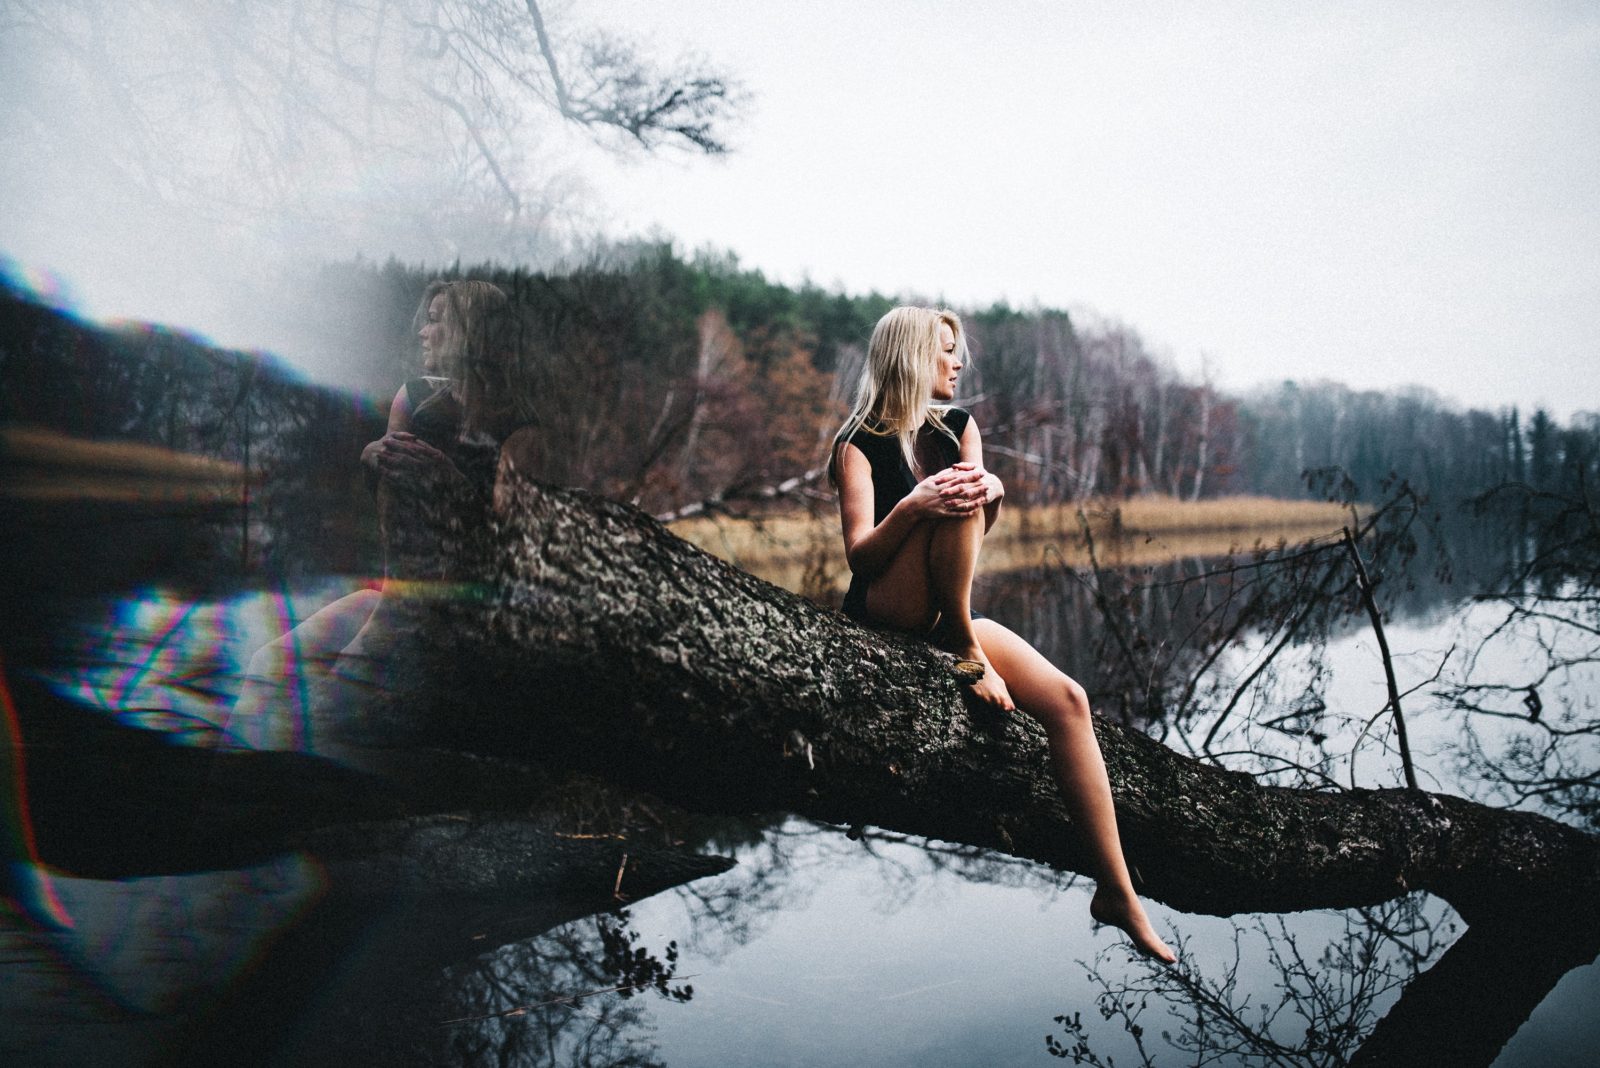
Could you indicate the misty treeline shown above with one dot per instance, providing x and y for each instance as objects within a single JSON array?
[
  {"x": 129, "y": 513},
  {"x": 667, "y": 379}
]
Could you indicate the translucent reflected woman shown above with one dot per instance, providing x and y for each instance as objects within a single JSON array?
[{"x": 455, "y": 440}]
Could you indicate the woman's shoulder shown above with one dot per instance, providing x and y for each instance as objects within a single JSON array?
[
  {"x": 866, "y": 438},
  {"x": 423, "y": 388},
  {"x": 956, "y": 419},
  {"x": 867, "y": 441}
]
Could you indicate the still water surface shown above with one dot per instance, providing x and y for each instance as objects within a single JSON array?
[{"x": 814, "y": 950}]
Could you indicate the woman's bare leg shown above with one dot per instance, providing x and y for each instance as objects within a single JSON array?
[
  {"x": 928, "y": 588},
  {"x": 953, "y": 562},
  {"x": 929, "y": 582},
  {"x": 902, "y": 595},
  {"x": 1062, "y": 708},
  {"x": 273, "y": 703}
]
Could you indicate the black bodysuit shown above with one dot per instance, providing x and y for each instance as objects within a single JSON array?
[
  {"x": 892, "y": 479},
  {"x": 427, "y": 527}
]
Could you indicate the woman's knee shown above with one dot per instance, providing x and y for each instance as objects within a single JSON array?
[
  {"x": 269, "y": 660},
  {"x": 959, "y": 529},
  {"x": 1074, "y": 702}
]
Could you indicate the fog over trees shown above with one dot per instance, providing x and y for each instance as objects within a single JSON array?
[
  {"x": 671, "y": 378},
  {"x": 184, "y": 162}
]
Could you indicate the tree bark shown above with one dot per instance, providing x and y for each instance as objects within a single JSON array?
[{"x": 599, "y": 639}]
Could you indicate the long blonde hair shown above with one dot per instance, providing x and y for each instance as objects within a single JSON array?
[
  {"x": 894, "y": 396},
  {"x": 483, "y": 351}
]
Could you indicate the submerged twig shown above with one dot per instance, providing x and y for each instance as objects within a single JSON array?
[{"x": 1364, "y": 584}]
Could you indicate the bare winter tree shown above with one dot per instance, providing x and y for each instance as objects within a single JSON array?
[{"x": 302, "y": 111}]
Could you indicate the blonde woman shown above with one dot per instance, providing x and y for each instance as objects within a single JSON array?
[
  {"x": 454, "y": 439},
  {"x": 473, "y": 423},
  {"x": 915, "y": 503}
]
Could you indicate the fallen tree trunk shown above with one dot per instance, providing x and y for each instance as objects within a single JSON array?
[
  {"x": 599, "y": 639},
  {"x": 115, "y": 802},
  {"x": 596, "y": 639}
]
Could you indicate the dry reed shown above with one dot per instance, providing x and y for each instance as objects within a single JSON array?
[{"x": 804, "y": 553}]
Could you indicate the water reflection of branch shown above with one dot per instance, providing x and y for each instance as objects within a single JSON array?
[
  {"x": 1161, "y": 644},
  {"x": 560, "y": 999},
  {"x": 1308, "y": 773},
  {"x": 1113, "y": 627},
  {"x": 1355, "y": 746},
  {"x": 1325, "y": 1006},
  {"x": 1522, "y": 671},
  {"x": 1295, "y": 598},
  {"x": 500, "y": 991},
  {"x": 1284, "y": 636},
  {"x": 1522, "y": 770},
  {"x": 1364, "y": 586}
]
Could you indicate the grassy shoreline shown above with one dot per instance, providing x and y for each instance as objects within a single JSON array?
[{"x": 804, "y": 553}]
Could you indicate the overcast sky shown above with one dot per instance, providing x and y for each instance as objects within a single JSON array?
[{"x": 1379, "y": 193}]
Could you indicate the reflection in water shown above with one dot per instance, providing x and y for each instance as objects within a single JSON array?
[
  {"x": 171, "y": 664},
  {"x": 1495, "y": 693},
  {"x": 573, "y": 996},
  {"x": 858, "y": 950},
  {"x": 1321, "y": 1000},
  {"x": 819, "y": 948},
  {"x": 799, "y": 897},
  {"x": 848, "y": 969},
  {"x": 1524, "y": 702},
  {"x": 785, "y": 864},
  {"x": 1267, "y": 664},
  {"x": 259, "y": 966},
  {"x": 1510, "y": 692}
]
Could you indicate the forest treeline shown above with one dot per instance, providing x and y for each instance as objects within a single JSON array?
[{"x": 667, "y": 379}]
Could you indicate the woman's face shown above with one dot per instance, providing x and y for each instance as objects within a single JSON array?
[
  {"x": 432, "y": 335},
  {"x": 949, "y": 367}
]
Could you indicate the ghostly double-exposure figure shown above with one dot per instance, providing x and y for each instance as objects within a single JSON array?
[{"x": 455, "y": 437}]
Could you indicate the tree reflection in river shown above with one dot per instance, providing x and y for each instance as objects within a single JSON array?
[
  {"x": 1209, "y": 654},
  {"x": 1266, "y": 663},
  {"x": 783, "y": 868},
  {"x": 783, "y": 862},
  {"x": 567, "y": 997},
  {"x": 1525, "y": 692},
  {"x": 1499, "y": 689},
  {"x": 1325, "y": 1003}
]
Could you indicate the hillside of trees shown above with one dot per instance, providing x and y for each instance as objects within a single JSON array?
[
  {"x": 666, "y": 380},
  {"x": 670, "y": 378}
]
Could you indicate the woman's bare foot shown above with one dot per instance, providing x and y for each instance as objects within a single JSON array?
[
  {"x": 1124, "y": 911},
  {"x": 990, "y": 689}
]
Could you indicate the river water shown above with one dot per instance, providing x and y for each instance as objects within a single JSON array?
[{"x": 817, "y": 948}]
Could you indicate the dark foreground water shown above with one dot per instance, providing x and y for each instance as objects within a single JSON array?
[{"x": 815, "y": 948}]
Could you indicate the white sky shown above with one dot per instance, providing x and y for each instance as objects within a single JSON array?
[{"x": 1378, "y": 193}]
